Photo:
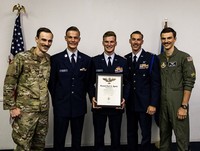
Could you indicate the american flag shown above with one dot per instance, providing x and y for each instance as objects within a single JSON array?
[{"x": 17, "y": 40}]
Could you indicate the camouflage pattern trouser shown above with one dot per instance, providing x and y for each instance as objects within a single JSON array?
[{"x": 30, "y": 130}]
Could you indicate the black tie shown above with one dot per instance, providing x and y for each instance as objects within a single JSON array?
[
  {"x": 134, "y": 61},
  {"x": 109, "y": 62},
  {"x": 73, "y": 60}
]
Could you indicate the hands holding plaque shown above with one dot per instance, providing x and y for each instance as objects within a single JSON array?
[
  {"x": 95, "y": 106},
  {"x": 109, "y": 91}
]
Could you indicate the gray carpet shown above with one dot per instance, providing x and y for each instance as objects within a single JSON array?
[{"x": 194, "y": 146}]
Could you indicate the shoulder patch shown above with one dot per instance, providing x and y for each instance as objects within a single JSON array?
[
  {"x": 193, "y": 75},
  {"x": 189, "y": 59}
]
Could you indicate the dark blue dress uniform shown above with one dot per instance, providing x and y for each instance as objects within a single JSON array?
[
  {"x": 145, "y": 91},
  {"x": 68, "y": 86},
  {"x": 114, "y": 116}
]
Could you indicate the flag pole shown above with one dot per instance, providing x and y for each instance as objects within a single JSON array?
[
  {"x": 165, "y": 26},
  {"x": 165, "y": 23},
  {"x": 17, "y": 44}
]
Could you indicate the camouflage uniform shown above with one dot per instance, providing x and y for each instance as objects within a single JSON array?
[
  {"x": 177, "y": 75},
  {"x": 25, "y": 87}
]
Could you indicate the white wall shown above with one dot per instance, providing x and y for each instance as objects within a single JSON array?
[{"x": 94, "y": 18}]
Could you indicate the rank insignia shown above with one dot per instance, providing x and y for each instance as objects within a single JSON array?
[{"x": 163, "y": 65}]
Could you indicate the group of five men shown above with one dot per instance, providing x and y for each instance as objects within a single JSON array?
[{"x": 151, "y": 83}]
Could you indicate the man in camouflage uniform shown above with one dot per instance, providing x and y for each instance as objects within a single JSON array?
[
  {"x": 178, "y": 78},
  {"x": 26, "y": 94}
]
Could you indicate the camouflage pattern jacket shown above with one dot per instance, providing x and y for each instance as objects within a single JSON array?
[{"x": 25, "y": 84}]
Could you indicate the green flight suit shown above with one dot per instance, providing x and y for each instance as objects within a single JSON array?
[
  {"x": 177, "y": 75},
  {"x": 25, "y": 87}
]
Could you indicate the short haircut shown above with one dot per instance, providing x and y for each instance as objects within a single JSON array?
[
  {"x": 168, "y": 30},
  {"x": 43, "y": 29},
  {"x": 109, "y": 34},
  {"x": 73, "y": 28},
  {"x": 136, "y": 32}
]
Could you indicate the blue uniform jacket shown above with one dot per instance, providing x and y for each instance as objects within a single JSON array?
[
  {"x": 145, "y": 82},
  {"x": 119, "y": 66},
  {"x": 68, "y": 86}
]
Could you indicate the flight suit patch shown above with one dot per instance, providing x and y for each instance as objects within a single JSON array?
[
  {"x": 172, "y": 64},
  {"x": 193, "y": 74},
  {"x": 163, "y": 65},
  {"x": 189, "y": 59}
]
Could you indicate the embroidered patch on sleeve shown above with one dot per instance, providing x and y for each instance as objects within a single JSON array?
[
  {"x": 193, "y": 74},
  {"x": 189, "y": 59}
]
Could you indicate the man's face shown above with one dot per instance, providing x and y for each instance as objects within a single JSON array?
[
  {"x": 109, "y": 44},
  {"x": 72, "y": 38},
  {"x": 136, "y": 42},
  {"x": 168, "y": 40},
  {"x": 44, "y": 41}
]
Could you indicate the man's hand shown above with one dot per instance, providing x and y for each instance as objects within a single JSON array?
[
  {"x": 182, "y": 113},
  {"x": 94, "y": 104},
  {"x": 151, "y": 110},
  {"x": 122, "y": 105},
  {"x": 15, "y": 112}
]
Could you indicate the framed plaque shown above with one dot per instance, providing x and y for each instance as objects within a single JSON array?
[{"x": 109, "y": 90}]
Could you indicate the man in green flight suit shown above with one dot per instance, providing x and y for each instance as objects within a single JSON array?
[
  {"x": 25, "y": 94},
  {"x": 178, "y": 78}
]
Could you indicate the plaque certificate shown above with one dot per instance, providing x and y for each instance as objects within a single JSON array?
[{"x": 109, "y": 90}]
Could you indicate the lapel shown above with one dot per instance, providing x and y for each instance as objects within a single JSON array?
[
  {"x": 103, "y": 63},
  {"x": 140, "y": 60},
  {"x": 65, "y": 59},
  {"x": 114, "y": 65},
  {"x": 80, "y": 60},
  {"x": 129, "y": 60},
  {"x": 115, "y": 62}
]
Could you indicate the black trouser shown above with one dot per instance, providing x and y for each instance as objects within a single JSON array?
[
  {"x": 145, "y": 121},
  {"x": 60, "y": 130},
  {"x": 99, "y": 121}
]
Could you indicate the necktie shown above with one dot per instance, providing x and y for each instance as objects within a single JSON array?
[
  {"x": 109, "y": 62},
  {"x": 134, "y": 61},
  {"x": 73, "y": 60}
]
